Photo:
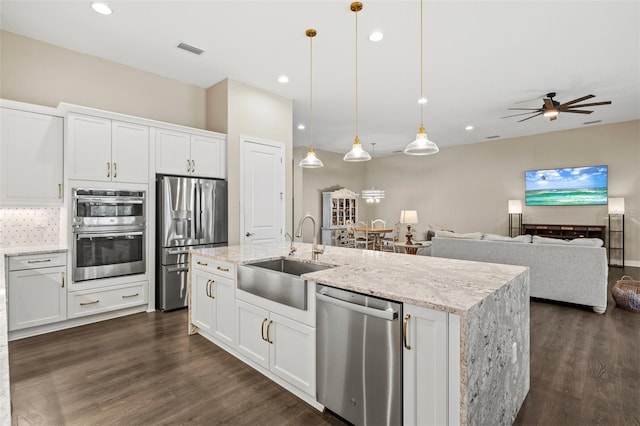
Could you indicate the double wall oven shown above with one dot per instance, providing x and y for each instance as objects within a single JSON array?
[{"x": 108, "y": 233}]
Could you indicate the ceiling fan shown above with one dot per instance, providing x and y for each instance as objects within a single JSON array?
[{"x": 551, "y": 108}]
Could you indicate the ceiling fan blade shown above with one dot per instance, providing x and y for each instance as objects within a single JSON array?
[
  {"x": 578, "y": 111},
  {"x": 524, "y": 109},
  {"x": 548, "y": 103},
  {"x": 592, "y": 104},
  {"x": 575, "y": 101},
  {"x": 515, "y": 115},
  {"x": 529, "y": 118}
]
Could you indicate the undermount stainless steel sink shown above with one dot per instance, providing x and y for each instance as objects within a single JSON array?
[{"x": 278, "y": 280}]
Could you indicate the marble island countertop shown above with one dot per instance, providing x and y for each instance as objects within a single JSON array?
[{"x": 443, "y": 284}]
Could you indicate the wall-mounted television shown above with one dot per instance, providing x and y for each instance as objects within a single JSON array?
[{"x": 571, "y": 186}]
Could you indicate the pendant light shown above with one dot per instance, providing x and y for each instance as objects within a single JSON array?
[
  {"x": 311, "y": 161},
  {"x": 422, "y": 145},
  {"x": 372, "y": 195},
  {"x": 357, "y": 153}
]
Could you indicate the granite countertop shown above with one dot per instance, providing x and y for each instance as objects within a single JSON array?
[
  {"x": 5, "y": 413},
  {"x": 437, "y": 283}
]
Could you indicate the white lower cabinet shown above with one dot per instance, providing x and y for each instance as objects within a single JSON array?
[
  {"x": 212, "y": 305},
  {"x": 285, "y": 347},
  {"x": 425, "y": 367},
  {"x": 37, "y": 294},
  {"x": 104, "y": 299}
]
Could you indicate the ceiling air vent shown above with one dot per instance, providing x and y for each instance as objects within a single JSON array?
[
  {"x": 592, "y": 122},
  {"x": 493, "y": 137},
  {"x": 191, "y": 49}
]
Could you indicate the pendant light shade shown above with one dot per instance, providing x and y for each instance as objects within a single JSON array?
[
  {"x": 311, "y": 161},
  {"x": 357, "y": 153},
  {"x": 422, "y": 145}
]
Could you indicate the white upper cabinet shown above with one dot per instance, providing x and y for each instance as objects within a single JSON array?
[
  {"x": 179, "y": 153},
  {"x": 107, "y": 150},
  {"x": 30, "y": 158}
]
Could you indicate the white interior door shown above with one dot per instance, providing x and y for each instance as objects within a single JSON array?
[{"x": 262, "y": 214}]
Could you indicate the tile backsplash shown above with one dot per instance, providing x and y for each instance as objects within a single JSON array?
[{"x": 21, "y": 227}]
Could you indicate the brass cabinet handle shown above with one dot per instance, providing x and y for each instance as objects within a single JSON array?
[
  {"x": 211, "y": 283},
  {"x": 220, "y": 268},
  {"x": 62, "y": 276},
  {"x": 89, "y": 303},
  {"x": 188, "y": 165},
  {"x": 193, "y": 165},
  {"x": 268, "y": 330},
  {"x": 207, "y": 289},
  {"x": 202, "y": 263},
  {"x": 39, "y": 261},
  {"x": 262, "y": 329},
  {"x": 59, "y": 190},
  {"x": 108, "y": 169},
  {"x": 115, "y": 170},
  {"x": 407, "y": 317},
  {"x": 130, "y": 295}
]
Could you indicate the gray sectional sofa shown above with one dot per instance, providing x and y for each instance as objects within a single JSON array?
[{"x": 566, "y": 273}]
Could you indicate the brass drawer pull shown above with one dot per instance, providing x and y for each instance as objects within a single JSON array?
[
  {"x": 262, "y": 329},
  {"x": 220, "y": 268},
  {"x": 202, "y": 263},
  {"x": 130, "y": 295},
  {"x": 268, "y": 330},
  {"x": 62, "y": 276},
  {"x": 39, "y": 261},
  {"x": 89, "y": 303},
  {"x": 115, "y": 170},
  {"x": 59, "y": 190},
  {"x": 407, "y": 317}
]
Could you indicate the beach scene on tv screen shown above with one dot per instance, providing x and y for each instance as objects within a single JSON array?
[{"x": 575, "y": 186}]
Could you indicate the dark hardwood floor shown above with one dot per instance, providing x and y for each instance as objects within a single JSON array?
[{"x": 144, "y": 370}]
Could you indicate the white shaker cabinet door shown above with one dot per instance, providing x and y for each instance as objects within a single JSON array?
[
  {"x": 37, "y": 297},
  {"x": 89, "y": 146},
  {"x": 208, "y": 157},
  {"x": 173, "y": 152},
  {"x": 130, "y": 152},
  {"x": 293, "y": 352},
  {"x": 252, "y": 325},
  {"x": 202, "y": 300},
  {"x": 31, "y": 158},
  {"x": 425, "y": 367},
  {"x": 224, "y": 310}
]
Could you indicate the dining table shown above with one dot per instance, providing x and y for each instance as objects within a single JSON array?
[{"x": 377, "y": 234}]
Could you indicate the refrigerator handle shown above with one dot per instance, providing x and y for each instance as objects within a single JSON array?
[{"x": 196, "y": 210}]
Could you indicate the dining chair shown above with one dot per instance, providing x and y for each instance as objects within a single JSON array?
[
  {"x": 377, "y": 237},
  {"x": 361, "y": 236},
  {"x": 388, "y": 242}
]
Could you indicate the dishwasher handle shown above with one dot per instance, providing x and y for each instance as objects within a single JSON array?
[{"x": 388, "y": 315}]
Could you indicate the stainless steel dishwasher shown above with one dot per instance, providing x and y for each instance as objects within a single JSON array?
[{"x": 359, "y": 356}]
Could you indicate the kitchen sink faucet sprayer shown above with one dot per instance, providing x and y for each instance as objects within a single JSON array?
[{"x": 315, "y": 250}]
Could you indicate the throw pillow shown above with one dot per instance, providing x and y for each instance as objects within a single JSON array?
[
  {"x": 518, "y": 239},
  {"x": 587, "y": 242},
  {"x": 545, "y": 240},
  {"x": 449, "y": 234}
]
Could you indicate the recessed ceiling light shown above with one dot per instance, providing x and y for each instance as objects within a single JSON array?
[
  {"x": 301, "y": 127},
  {"x": 469, "y": 128},
  {"x": 422, "y": 100},
  {"x": 283, "y": 79},
  {"x": 376, "y": 36},
  {"x": 101, "y": 8}
]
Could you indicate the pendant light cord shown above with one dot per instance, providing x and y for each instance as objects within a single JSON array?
[
  {"x": 421, "y": 69},
  {"x": 311, "y": 91},
  {"x": 356, "y": 74}
]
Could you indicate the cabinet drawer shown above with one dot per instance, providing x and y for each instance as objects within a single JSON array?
[
  {"x": 32, "y": 261},
  {"x": 89, "y": 302},
  {"x": 223, "y": 269}
]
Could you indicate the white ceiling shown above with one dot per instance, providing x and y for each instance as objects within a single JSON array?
[{"x": 480, "y": 58}]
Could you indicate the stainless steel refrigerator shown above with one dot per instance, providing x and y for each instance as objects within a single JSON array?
[{"x": 191, "y": 213}]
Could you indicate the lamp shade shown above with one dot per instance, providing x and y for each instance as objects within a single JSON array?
[
  {"x": 357, "y": 153},
  {"x": 515, "y": 206},
  {"x": 422, "y": 145},
  {"x": 409, "y": 216},
  {"x": 616, "y": 205}
]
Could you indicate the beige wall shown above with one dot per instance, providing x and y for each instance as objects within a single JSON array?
[
  {"x": 466, "y": 188},
  {"x": 40, "y": 73},
  {"x": 250, "y": 112}
]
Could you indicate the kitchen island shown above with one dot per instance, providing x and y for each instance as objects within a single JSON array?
[{"x": 487, "y": 308}]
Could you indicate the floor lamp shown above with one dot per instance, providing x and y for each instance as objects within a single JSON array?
[{"x": 515, "y": 217}]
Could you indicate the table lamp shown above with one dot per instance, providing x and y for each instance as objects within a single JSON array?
[{"x": 409, "y": 217}]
